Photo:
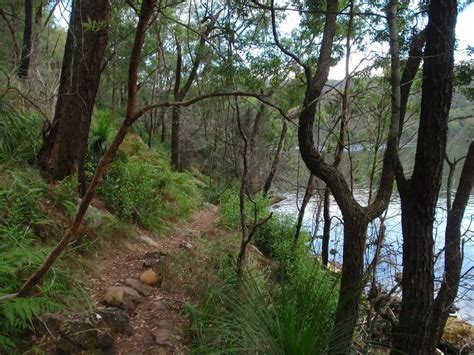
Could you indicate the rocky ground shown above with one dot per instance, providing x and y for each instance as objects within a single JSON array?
[{"x": 138, "y": 311}]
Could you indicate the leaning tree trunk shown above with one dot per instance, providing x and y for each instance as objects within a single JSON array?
[
  {"x": 64, "y": 148},
  {"x": 420, "y": 193}
]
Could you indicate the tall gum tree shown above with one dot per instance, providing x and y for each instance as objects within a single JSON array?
[
  {"x": 64, "y": 148},
  {"x": 356, "y": 217},
  {"x": 422, "y": 317}
]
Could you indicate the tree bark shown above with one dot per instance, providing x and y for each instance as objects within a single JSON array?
[
  {"x": 419, "y": 194},
  {"x": 453, "y": 255},
  {"x": 276, "y": 159},
  {"x": 355, "y": 231},
  {"x": 27, "y": 41},
  {"x": 181, "y": 92},
  {"x": 64, "y": 148}
]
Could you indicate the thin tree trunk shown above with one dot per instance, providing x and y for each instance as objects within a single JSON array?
[
  {"x": 326, "y": 226},
  {"x": 309, "y": 192},
  {"x": 27, "y": 41},
  {"x": 452, "y": 255},
  {"x": 276, "y": 159},
  {"x": 181, "y": 92}
]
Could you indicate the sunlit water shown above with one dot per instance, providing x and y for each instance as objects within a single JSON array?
[{"x": 391, "y": 257}]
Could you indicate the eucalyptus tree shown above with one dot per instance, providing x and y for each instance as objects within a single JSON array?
[
  {"x": 422, "y": 316},
  {"x": 65, "y": 144},
  {"x": 356, "y": 217}
]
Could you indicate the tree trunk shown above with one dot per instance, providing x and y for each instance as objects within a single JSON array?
[
  {"x": 326, "y": 226},
  {"x": 175, "y": 138},
  {"x": 453, "y": 255},
  {"x": 308, "y": 193},
  {"x": 27, "y": 41},
  {"x": 355, "y": 231},
  {"x": 64, "y": 148},
  {"x": 419, "y": 194},
  {"x": 276, "y": 159}
]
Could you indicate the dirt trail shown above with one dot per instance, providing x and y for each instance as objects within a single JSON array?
[{"x": 159, "y": 325}]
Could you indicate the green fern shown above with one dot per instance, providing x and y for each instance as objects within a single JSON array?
[{"x": 20, "y": 312}]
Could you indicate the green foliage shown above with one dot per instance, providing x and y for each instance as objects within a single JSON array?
[
  {"x": 21, "y": 192},
  {"x": 64, "y": 195},
  {"x": 141, "y": 187},
  {"x": 101, "y": 134},
  {"x": 20, "y": 138},
  {"x": 261, "y": 314},
  {"x": 230, "y": 207}
]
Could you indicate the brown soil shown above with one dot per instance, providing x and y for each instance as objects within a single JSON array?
[{"x": 159, "y": 324}]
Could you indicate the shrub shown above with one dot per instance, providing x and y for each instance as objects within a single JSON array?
[
  {"x": 257, "y": 316},
  {"x": 64, "y": 195},
  {"x": 21, "y": 192},
  {"x": 291, "y": 314},
  {"x": 101, "y": 133},
  {"x": 230, "y": 207},
  {"x": 20, "y": 136},
  {"x": 141, "y": 187}
]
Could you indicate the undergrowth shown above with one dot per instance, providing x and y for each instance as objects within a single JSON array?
[
  {"x": 21, "y": 192},
  {"x": 288, "y": 309},
  {"x": 20, "y": 135},
  {"x": 141, "y": 187}
]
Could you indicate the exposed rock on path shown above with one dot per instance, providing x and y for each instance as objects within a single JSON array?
[{"x": 156, "y": 314}]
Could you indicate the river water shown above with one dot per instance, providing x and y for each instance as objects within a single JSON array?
[{"x": 391, "y": 257}]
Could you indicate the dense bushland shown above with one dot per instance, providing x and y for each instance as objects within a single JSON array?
[{"x": 139, "y": 188}]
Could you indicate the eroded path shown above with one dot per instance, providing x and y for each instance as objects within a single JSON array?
[{"x": 156, "y": 316}]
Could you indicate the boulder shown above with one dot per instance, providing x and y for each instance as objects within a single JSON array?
[
  {"x": 87, "y": 331},
  {"x": 138, "y": 286},
  {"x": 458, "y": 337},
  {"x": 150, "y": 277},
  {"x": 122, "y": 297}
]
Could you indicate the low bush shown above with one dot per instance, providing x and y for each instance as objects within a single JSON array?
[
  {"x": 21, "y": 192},
  {"x": 141, "y": 187},
  {"x": 292, "y": 313},
  {"x": 101, "y": 133}
]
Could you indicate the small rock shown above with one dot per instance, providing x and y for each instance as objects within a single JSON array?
[
  {"x": 147, "y": 240},
  {"x": 209, "y": 207},
  {"x": 163, "y": 336},
  {"x": 149, "y": 277},
  {"x": 186, "y": 245},
  {"x": 117, "y": 320},
  {"x": 142, "y": 289},
  {"x": 123, "y": 297},
  {"x": 153, "y": 259}
]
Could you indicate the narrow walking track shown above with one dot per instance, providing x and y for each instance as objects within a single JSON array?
[{"x": 157, "y": 317}]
